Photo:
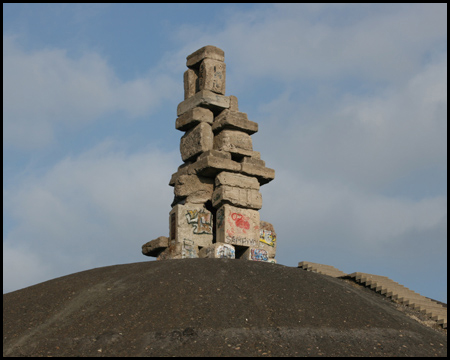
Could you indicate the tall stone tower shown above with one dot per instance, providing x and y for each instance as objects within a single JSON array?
[{"x": 216, "y": 189}]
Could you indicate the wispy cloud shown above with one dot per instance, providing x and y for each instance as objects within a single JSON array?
[{"x": 46, "y": 88}]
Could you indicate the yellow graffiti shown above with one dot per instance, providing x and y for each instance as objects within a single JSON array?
[{"x": 266, "y": 237}]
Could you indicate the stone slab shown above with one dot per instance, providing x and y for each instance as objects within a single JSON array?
[
  {"x": 191, "y": 222},
  {"x": 211, "y": 165},
  {"x": 235, "y": 142},
  {"x": 190, "y": 80},
  {"x": 205, "y": 98},
  {"x": 156, "y": 246},
  {"x": 253, "y": 160},
  {"x": 206, "y": 52},
  {"x": 196, "y": 141},
  {"x": 262, "y": 173},
  {"x": 236, "y": 180},
  {"x": 234, "y": 120},
  {"x": 211, "y": 76},
  {"x": 193, "y": 117},
  {"x": 237, "y": 226},
  {"x": 247, "y": 198},
  {"x": 267, "y": 238},
  {"x": 255, "y": 254},
  {"x": 218, "y": 251}
]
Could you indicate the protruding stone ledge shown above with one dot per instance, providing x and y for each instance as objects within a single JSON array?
[
  {"x": 193, "y": 117},
  {"x": 262, "y": 173},
  {"x": 210, "y": 166},
  {"x": 234, "y": 120},
  {"x": 206, "y": 52},
  {"x": 155, "y": 247},
  {"x": 205, "y": 98}
]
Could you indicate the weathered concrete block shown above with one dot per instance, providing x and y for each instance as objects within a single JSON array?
[
  {"x": 234, "y": 120},
  {"x": 262, "y": 173},
  {"x": 237, "y": 226},
  {"x": 267, "y": 238},
  {"x": 255, "y": 254},
  {"x": 234, "y": 103},
  {"x": 207, "y": 99},
  {"x": 253, "y": 160},
  {"x": 195, "y": 189},
  {"x": 248, "y": 198},
  {"x": 211, "y": 76},
  {"x": 190, "y": 83},
  {"x": 236, "y": 180},
  {"x": 218, "y": 251},
  {"x": 155, "y": 247},
  {"x": 206, "y": 52},
  {"x": 196, "y": 141},
  {"x": 191, "y": 222},
  {"x": 211, "y": 165},
  {"x": 208, "y": 164},
  {"x": 235, "y": 142},
  {"x": 193, "y": 117},
  {"x": 187, "y": 249}
]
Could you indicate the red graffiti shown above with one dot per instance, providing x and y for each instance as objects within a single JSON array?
[{"x": 241, "y": 221}]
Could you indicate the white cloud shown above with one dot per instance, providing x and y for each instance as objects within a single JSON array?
[
  {"x": 46, "y": 88},
  {"x": 92, "y": 210},
  {"x": 292, "y": 43}
]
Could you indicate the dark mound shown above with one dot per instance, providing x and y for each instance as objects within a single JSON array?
[{"x": 208, "y": 307}]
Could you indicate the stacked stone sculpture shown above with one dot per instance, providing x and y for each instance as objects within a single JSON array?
[{"x": 216, "y": 189}]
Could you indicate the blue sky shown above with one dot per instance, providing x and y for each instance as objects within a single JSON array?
[{"x": 351, "y": 102}]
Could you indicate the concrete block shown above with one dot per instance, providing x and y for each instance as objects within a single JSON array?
[
  {"x": 237, "y": 143},
  {"x": 187, "y": 249},
  {"x": 267, "y": 238},
  {"x": 206, "y": 52},
  {"x": 195, "y": 189},
  {"x": 211, "y": 76},
  {"x": 236, "y": 180},
  {"x": 193, "y": 117},
  {"x": 155, "y": 247},
  {"x": 211, "y": 165},
  {"x": 191, "y": 222},
  {"x": 237, "y": 226},
  {"x": 253, "y": 160},
  {"x": 208, "y": 164},
  {"x": 234, "y": 103},
  {"x": 262, "y": 173},
  {"x": 234, "y": 120},
  {"x": 207, "y": 99},
  {"x": 196, "y": 141},
  {"x": 190, "y": 79},
  {"x": 218, "y": 251},
  {"x": 247, "y": 198},
  {"x": 255, "y": 254}
]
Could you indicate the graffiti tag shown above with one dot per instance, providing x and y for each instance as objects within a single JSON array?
[
  {"x": 200, "y": 220},
  {"x": 267, "y": 237},
  {"x": 259, "y": 255}
]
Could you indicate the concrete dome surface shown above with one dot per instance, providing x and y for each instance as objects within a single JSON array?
[{"x": 208, "y": 307}]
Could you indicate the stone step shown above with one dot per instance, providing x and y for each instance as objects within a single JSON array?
[
  {"x": 321, "y": 269},
  {"x": 402, "y": 294}
]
